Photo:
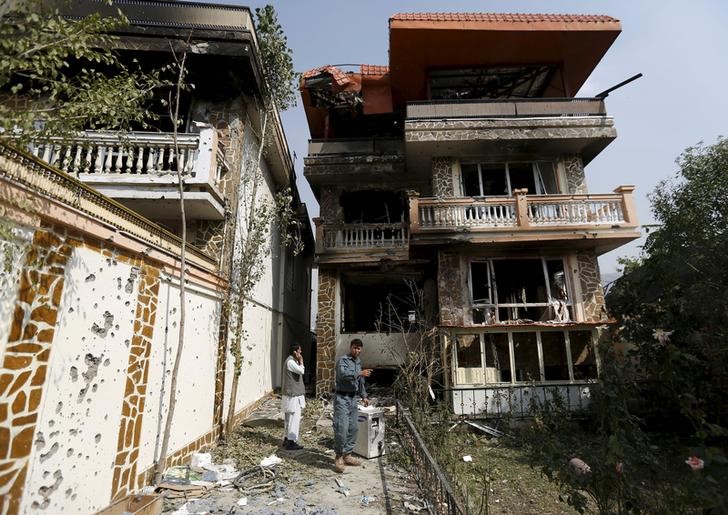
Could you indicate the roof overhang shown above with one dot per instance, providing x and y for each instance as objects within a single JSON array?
[{"x": 420, "y": 42}]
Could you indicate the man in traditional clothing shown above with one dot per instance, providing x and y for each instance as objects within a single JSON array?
[{"x": 293, "y": 398}]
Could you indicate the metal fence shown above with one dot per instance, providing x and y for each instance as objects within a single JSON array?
[
  {"x": 434, "y": 485},
  {"x": 515, "y": 401}
]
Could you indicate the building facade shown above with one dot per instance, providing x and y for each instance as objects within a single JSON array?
[
  {"x": 458, "y": 172},
  {"x": 89, "y": 294}
]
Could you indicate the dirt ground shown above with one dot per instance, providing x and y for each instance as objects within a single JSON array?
[{"x": 304, "y": 482}]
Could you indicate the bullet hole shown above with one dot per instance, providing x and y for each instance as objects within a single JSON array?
[
  {"x": 83, "y": 338},
  {"x": 127, "y": 343},
  {"x": 108, "y": 324},
  {"x": 74, "y": 374},
  {"x": 97, "y": 438},
  {"x": 102, "y": 381},
  {"x": 118, "y": 283},
  {"x": 69, "y": 453},
  {"x": 106, "y": 417},
  {"x": 92, "y": 368},
  {"x": 118, "y": 297},
  {"x": 70, "y": 310},
  {"x": 112, "y": 334},
  {"x": 94, "y": 387},
  {"x": 59, "y": 407},
  {"x": 90, "y": 278},
  {"x": 51, "y": 423},
  {"x": 46, "y": 473},
  {"x": 54, "y": 434},
  {"x": 103, "y": 297},
  {"x": 73, "y": 497},
  {"x": 88, "y": 411},
  {"x": 73, "y": 432},
  {"x": 96, "y": 304},
  {"x": 50, "y": 453},
  {"x": 107, "y": 361},
  {"x": 79, "y": 455},
  {"x": 127, "y": 303},
  {"x": 39, "y": 441},
  {"x": 46, "y": 491},
  {"x": 68, "y": 492}
]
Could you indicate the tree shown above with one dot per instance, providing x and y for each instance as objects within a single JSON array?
[
  {"x": 672, "y": 302},
  {"x": 253, "y": 214},
  {"x": 58, "y": 76}
]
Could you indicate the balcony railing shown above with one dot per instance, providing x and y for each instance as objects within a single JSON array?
[
  {"x": 137, "y": 156},
  {"x": 365, "y": 236},
  {"x": 523, "y": 212},
  {"x": 506, "y": 108}
]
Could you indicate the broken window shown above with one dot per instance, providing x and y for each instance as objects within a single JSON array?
[
  {"x": 497, "y": 358},
  {"x": 582, "y": 355},
  {"x": 525, "y": 356},
  {"x": 376, "y": 304},
  {"x": 526, "y": 289},
  {"x": 525, "y": 81},
  {"x": 469, "y": 359},
  {"x": 555, "y": 364},
  {"x": 386, "y": 207},
  {"x": 489, "y": 179}
]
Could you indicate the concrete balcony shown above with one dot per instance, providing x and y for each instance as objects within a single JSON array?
[
  {"x": 603, "y": 222},
  {"x": 138, "y": 169},
  {"x": 361, "y": 243},
  {"x": 349, "y": 161},
  {"x": 520, "y": 127}
]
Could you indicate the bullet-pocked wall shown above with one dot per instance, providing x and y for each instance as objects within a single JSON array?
[{"x": 87, "y": 361}]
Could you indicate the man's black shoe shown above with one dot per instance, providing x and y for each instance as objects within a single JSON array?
[{"x": 293, "y": 446}]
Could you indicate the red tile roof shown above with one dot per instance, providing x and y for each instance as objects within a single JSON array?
[
  {"x": 503, "y": 17},
  {"x": 374, "y": 69},
  {"x": 338, "y": 75}
]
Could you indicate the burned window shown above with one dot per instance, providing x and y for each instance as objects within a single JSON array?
[
  {"x": 525, "y": 356},
  {"x": 469, "y": 357},
  {"x": 385, "y": 207},
  {"x": 497, "y": 358},
  {"x": 492, "y": 179},
  {"x": 526, "y": 289},
  {"x": 555, "y": 364},
  {"x": 582, "y": 355},
  {"x": 525, "y": 81},
  {"x": 377, "y": 304}
]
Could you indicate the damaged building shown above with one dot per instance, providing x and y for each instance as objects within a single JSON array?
[
  {"x": 90, "y": 284},
  {"x": 458, "y": 172}
]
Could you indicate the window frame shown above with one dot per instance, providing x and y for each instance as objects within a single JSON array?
[
  {"x": 538, "y": 180},
  {"x": 512, "y": 357},
  {"x": 494, "y": 306}
]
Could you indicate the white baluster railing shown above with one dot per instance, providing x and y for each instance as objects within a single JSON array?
[
  {"x": 99, "y": 154},
  {"x": 459, "y": 213},
  {"x": 576, "y": 211},
  {"x": 365, "y": 236}
]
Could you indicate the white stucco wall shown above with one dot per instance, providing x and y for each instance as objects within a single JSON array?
[
  {"x": 71, "y": 463},
  {"x": 196, "y": 381}
]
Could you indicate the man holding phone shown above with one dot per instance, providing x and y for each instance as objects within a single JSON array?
[
  {"x": 293, "y": 398},
  {"x": 349, "y": 387}
]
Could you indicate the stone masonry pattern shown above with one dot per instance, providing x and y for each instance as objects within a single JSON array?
[
  {"x": 132, "y": 410},
  {"x": 481, "y": 130},
  {"x": 326, "y": 332},
  {"x": 442, "y": 181},
  {"x": 26, "y": 360},
  {"x": 591, "y": 287},
  {"x": 450, "y": 290},
  {"x": 575, "y": 178}
]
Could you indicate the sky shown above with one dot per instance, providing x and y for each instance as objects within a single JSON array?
[{"x": 680, "y": 47}]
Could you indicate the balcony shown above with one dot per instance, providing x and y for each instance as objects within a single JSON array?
[
  {"x": 348, "y": 161},
  {"x": 138, "y": 169},
  {"x": 603, "y": 222},
  {"x": 471, "y": 128},
  {"x": 359, "y": 243}
]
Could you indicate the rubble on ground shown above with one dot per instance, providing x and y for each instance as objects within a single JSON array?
[{"x": 250, "y": 472}]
